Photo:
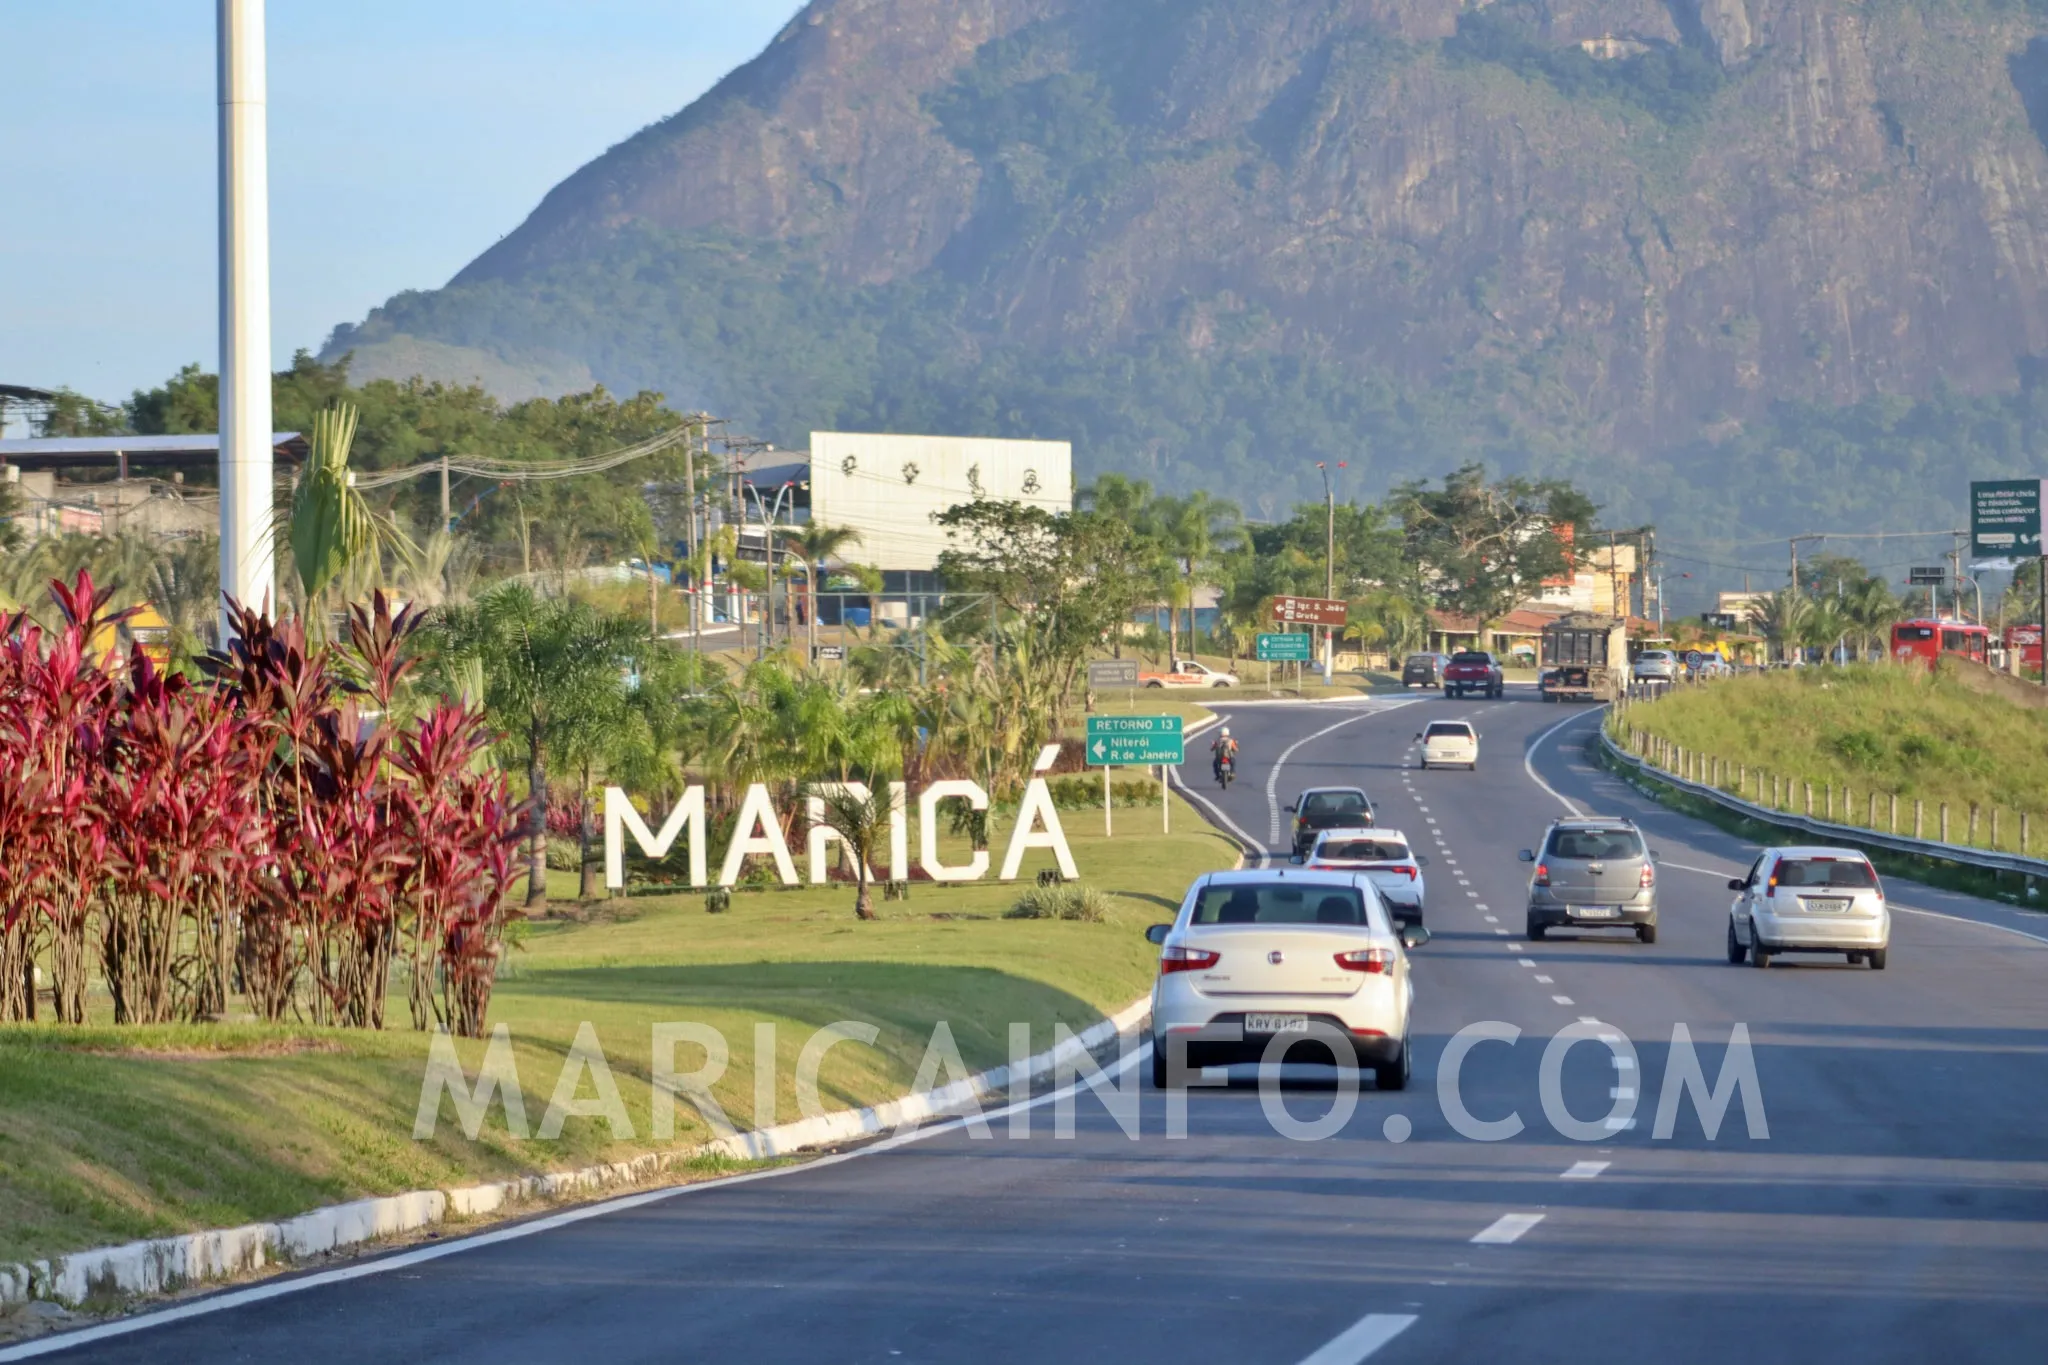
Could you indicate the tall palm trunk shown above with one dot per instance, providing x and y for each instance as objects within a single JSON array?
[
  {"x": 586, "y": 886},
  {"x": 537, "y": 823}
]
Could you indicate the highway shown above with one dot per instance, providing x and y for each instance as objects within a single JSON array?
[{"x": 1896, "y": 1211}]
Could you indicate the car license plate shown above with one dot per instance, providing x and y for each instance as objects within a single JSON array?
[
  {"x": 1825, "y": 906},
  {"x": 1276, "y": 1023},
  {"x": 1594, "y": 911}
]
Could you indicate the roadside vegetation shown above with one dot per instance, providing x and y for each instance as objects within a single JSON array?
[{"x": 1862, "y": 731}]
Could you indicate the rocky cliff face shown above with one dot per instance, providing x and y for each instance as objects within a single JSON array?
[{"x": 1615, "y": 224}]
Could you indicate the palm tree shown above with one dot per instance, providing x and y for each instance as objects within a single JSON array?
[
  {"x": 1871, "y": 610},
  {"x": 817, "y": 543},
  {"x": 333, "y": 533},
  {"x": 547, "y": 663},
  {"x": 862, "y": 822},
  {"x": 1196, "y": 531},
  {"x": 184, "y": 586},
  {"x": 1782, "y": 617}
]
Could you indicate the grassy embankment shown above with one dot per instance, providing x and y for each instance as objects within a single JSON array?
[
  {"x": 1854, "y": 732},
  {"x": 112, "y": 1134}
]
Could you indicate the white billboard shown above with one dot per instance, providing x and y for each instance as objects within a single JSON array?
[{"x": 887, "y": 487}]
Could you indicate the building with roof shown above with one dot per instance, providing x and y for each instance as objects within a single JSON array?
[{"x": 110, "y": 485}]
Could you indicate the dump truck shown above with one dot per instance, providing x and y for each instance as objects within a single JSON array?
[{"x": 1585, "y": 657}]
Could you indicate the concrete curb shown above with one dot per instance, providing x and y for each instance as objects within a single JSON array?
[{"x": 168, "y": 1263}]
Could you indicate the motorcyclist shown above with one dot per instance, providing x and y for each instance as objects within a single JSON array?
[{"x": 1222, "y": 748}]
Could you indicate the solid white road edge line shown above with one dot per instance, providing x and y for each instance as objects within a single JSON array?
[
  {"x": 1361, "y": 1339},
  {"x": 1529, "y": 765},
  {"x": 1273, "y": 777},
  {"x": 237, "y": 1298},
  {"x": 1507, "y": 1228}
]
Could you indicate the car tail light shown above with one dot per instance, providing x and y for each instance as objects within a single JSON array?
[
  {"x": 1412, "y": 871},
  {"x": 1543, "y": 874},
  {"x": 1367, "y": 960},
  {"x": 1649, "y": 877},
  {"x": 1178, "y": 959}
]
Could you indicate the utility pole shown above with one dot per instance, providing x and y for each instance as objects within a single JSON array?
[
  {"x": 690, "y": 531},
  {"x": 1329, "y": 565},
  {"x": 247, "y": 570},
  {"x": 447, "y": 522}
]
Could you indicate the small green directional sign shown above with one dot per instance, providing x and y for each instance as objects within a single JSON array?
[
  {"x": 1128, "y": 741},
  {"x": 1284, "y": 647}
]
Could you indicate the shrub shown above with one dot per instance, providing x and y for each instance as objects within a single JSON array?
[{"x": 1061, "y": 901}]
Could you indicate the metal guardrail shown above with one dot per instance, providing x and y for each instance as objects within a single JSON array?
[{"x": 1827, "y": 829}]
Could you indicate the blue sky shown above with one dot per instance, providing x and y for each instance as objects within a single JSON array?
[{"x": 405, "y": 137}]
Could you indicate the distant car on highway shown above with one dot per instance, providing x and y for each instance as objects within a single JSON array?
[
  {"x": 1474, "y": 670},
  {"x": 1188, "y": 673},
  {"x": 1592, "y": 873},
  {"x": 1450, "y": 744},
  {"x": 1424, "y": 670},
  {"x": 1809, "y": 900},
  {"x": 1262, "y": 955},
  {"x": 1321, "y": 808},
  {"x": 1381, "y": 854},
  {"x": 1656, "y": 665}
]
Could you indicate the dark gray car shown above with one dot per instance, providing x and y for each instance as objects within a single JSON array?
[{"x": 1593, "y": 873}]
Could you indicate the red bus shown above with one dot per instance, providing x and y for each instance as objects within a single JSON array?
[
  {"x": 2025, "y": 642},
  {"x": 1927, "y": 640}
]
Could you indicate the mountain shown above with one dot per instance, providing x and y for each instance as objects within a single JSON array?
[{"x": 1753, "y": 264}]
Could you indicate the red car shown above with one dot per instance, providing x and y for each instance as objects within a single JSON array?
[{"x": 1473, "y": 670}]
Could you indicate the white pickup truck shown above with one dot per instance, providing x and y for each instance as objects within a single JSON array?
[{"x": 1188, "y": 673}]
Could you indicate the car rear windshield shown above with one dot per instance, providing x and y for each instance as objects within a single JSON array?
[
  {"x": 1322, "y": 805},
  {"x": 1848, "y": 874},
  {"x": 1423, "y": 660},
  {"x": 1654, "y": 654},
  {"x": 1591, "y": 845},
  {"x": 1448, "y": 729},
  {"x": 1364, "y": 850},
  {"x": 1468, "y": 657},
  {"x": 1279, "y": 903}
]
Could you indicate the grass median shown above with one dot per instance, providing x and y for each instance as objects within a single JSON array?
[{"x": 113, "y": 1134}]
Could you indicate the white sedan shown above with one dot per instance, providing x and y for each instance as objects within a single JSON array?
[
  {"x": 1273, "y": 964},
  {"x": 1809, "y": 900},
  {"x": 1381, "y": 854},
  {"x": 1450, "y": 744}
]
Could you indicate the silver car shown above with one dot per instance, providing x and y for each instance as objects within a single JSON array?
[
  {"x": 1809, "y": 900},
  {"x": 1656, "y": 665},
  {"x": 1593, "y": 873}
]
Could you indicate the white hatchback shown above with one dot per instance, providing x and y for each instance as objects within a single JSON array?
[
  {"x": 1381, "y": 854},
  {"x": 1450, "y": 744},
  {"x": 1809, "y": 900},
  {"x": 1279, "y": 964}
]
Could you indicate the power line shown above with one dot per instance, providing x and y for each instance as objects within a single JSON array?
[{"x": 538, "y": 470}]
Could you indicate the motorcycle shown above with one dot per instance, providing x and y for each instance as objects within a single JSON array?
[{"x": 1226, "y": 769}]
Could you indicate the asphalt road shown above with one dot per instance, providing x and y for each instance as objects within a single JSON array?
[{"x": 1896, "y": 1211}]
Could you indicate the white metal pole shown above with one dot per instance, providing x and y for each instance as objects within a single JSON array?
[{"x": 246, "y": 569}]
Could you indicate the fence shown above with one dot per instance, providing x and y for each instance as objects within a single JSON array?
[{"x": 1800, "y": 805}]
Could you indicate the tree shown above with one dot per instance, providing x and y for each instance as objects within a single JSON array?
[
  {"x": 1486, "y": 545},
  {"x": 862, "y": 822},
  {"x": 11, "y": 537},
  {"x": 817, "y": 543},
  {"x": 1782, "y": 617},
  {"x": 547, "y": 663},
  {"x": 333, "y": 532}
]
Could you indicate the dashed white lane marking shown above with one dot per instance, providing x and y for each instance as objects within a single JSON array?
[
  {"x": 1560, "y": 999},
  {"x": 1615, "y": 1125},
  {"x": 1492, "y": 920},
  {"x": 1507, "y": 1228},
  {"x": 1546, "y": 981},
  {"x": 1624, "y": 1063},
  {"x": 1526, "y": 961},
  {"x": 1621, "y": 1092},
  {"x": 1502, "y": 932},
  {"x": 1361, "y": 1339},
  {"x": 1588, "y": 1019},
  {"x": 1517, "y": 947},
  {"x": 1585, "y": 1170}
]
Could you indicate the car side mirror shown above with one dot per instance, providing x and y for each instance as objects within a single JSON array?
[
  {"x": 1422, "y": 860},
  {"x": 1656, "y": 855},
  {"x": 1157, "y": 933},
  {"x": 1737, "y": 884},
  {"x": 1297, "y": 859},
  {"x": 1527, "y": 855},
  {"x": 1414, "y": 936}
]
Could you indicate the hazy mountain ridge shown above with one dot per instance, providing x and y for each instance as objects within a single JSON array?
[{"x": 1162, "y": 227}]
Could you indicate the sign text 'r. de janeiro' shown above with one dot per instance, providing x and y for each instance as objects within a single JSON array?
[{"x": 759, "y": 832}]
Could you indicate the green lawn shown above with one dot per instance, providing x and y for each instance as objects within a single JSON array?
[
  {"x": 1870, "y": 729},
  {"x": 112, "y": 1134}
]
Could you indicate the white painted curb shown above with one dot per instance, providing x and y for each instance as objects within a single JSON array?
[{"x": 166, "y": 1263}]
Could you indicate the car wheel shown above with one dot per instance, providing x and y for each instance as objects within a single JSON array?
[
  {"x": 1875, "y": 957},
  {"x": 1736, "y": 952},
  {"x": 1759, "y": 956},
  {"x": 1535, "y": 931},
  {"x": 1155, "y": 683},
  {"x": 1646, "y": 933},
  {"x": 1425, "y": 765},
  {"x": 1393, "y": 1075},
  {"x": 1158, "y": 1064},
  {"x": 1219, "y": 683}
]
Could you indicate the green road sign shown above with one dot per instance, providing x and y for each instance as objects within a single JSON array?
[
  {"x": 1284, "y": 649},
  {"x": 2005, "y": 519},
  {"x": 1126, "y": 741}
]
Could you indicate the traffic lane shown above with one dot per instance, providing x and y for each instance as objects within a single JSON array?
[{"x": 1913, "y": 1090}]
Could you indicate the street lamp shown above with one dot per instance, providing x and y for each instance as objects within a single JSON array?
[{"x": 247, "y": 571}]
